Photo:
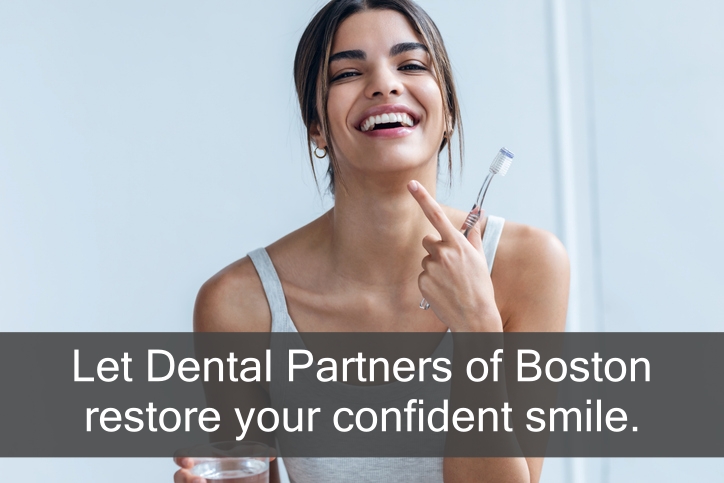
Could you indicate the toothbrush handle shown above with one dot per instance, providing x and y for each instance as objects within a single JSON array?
[{"x": 470, "y": 221}]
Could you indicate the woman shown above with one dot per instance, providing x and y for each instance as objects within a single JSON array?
[{"x": 357, "y": 267}]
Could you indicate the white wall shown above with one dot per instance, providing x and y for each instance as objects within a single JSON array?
[
  {"x": 143, "y": 146},
  {"x": 657, "y": 83}
]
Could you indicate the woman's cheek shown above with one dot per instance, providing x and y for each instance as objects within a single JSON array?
[
  {"x": 433, "y": 103},
  {"x": 338, "y": 108}
]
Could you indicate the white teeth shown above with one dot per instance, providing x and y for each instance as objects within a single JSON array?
[{"x": 385, "y": 118}]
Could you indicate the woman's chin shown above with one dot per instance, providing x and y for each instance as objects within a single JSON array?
[{"x": 397, "y": 171}]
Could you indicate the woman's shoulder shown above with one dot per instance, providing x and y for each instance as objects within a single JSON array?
[
  {"x": 530, "y": 247},
  {"x": 233, "y": 300},
  {"x": 532, "y": 274}
]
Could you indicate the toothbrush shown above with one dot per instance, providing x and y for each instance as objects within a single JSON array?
[{"x": 500, "y": 165}]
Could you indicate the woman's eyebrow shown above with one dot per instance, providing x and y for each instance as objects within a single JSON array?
[
  {"x": 348, "y": 54},
  {"x": 406, "y": 47}
]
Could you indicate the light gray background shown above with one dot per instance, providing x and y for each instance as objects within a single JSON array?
[{"x": 145, "y": 145}]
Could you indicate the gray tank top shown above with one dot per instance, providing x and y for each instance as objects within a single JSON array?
[{"x": 353, "y": 470}]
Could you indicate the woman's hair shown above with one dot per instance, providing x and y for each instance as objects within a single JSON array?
[{"x": 311, "y": 65}]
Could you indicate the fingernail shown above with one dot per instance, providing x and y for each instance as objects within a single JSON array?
[{"x": 413, "y": 185}]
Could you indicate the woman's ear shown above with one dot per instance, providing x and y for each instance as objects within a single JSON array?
[{"x": 315, "y": 131}]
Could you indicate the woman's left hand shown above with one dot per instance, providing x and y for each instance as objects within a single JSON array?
[{"x": 455, "y": 280}]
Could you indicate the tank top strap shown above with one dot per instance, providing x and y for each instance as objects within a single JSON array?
[
  {"x": 491, "y": 237},
  {"x": 281, "y": 322}
]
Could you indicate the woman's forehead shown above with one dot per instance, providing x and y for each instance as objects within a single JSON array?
[{"x": 373, "y": 29}]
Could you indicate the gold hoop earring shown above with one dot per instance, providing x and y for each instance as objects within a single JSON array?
[{"x": 324, "y": 152}]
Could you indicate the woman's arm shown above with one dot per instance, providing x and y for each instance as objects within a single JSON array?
[
  {"x": 530, "y": 295},
  {"x": 233, "y": 300},
  {"x": 532, "y": 279}
]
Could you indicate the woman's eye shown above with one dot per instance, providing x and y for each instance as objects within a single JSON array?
[
  {"x": 413, "y": 67},
  {"x": 344, "y": 75}
]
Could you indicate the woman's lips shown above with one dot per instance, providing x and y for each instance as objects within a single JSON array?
[
  {"x": 395, "y": 132},
  {"x": 386, "y": 110}
]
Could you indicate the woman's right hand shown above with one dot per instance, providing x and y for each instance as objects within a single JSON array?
[
  {"x": 455, "y": 278},
  {"x": 184, "y": 475}
]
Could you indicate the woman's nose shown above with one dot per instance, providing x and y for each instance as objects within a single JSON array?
[{"x": 384, "y": 82}]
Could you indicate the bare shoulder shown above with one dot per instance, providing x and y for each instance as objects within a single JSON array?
[
  {"x": 233, "y": 300},
  {"x": 532, "y": 275},
  {"x": 530, "y": 250}
]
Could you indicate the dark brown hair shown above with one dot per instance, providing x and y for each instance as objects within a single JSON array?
[{"x": 311, "y": 65}]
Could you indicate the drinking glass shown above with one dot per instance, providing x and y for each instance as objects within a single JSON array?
[{"x": 231, "y": 462}]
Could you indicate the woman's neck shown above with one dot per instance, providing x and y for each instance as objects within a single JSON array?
[{"x": 376, "y": 233}]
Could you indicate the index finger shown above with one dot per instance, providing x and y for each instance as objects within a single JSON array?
[{"x": 433, "y": 211}]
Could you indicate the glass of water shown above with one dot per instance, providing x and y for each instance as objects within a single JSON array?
[{"x": 231, "y": 462}]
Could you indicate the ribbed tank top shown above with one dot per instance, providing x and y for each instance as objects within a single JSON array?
[{"x": 354, "y": 470}]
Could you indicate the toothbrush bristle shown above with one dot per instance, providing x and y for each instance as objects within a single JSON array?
[
  {"x": 505, "y": 166},
  {"x": 502, "y": 162}
]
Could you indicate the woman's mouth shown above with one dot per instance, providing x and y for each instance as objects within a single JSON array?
[{"x": 389, "y": 120}]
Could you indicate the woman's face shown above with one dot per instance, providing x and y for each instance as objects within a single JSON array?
[{"x": 385, "y": 107}]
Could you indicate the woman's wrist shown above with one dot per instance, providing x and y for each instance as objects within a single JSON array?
[{"x": 490, "y": 321}]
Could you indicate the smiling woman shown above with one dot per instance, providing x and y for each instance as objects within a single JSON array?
[
  {"x": 327, "y": 75},
  {"x": 377, "y": 97}
]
